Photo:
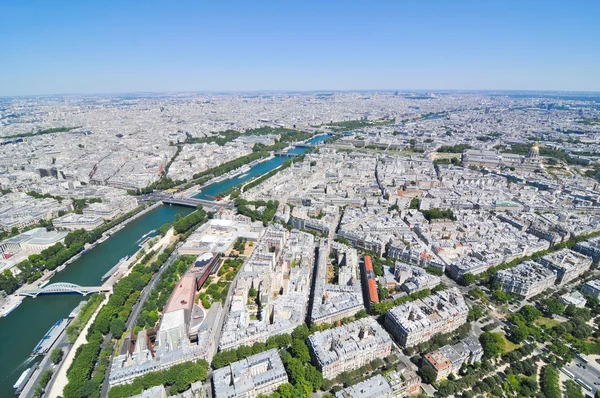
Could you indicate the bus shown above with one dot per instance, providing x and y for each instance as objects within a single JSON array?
[
  {"x": 584, "y": 384},
  {"x": 581, "y": 358}
]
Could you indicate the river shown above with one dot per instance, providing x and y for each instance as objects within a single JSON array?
[
  {"x": 209, "y": 192},
  {"x": 22, "y": 329}
]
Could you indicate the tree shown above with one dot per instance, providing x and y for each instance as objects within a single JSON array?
[
  {"x": 56, "y": 355},
  {"x": 530, "y": 313},
  {"x": 500, "y": 296},
  {"x": 117, "y": 327},
  {"x": 428, "y": 374},
  {"x": 475, "y": 313},
  {"x": 493, "y": 344},
  {"x": 299, "y": 350},
  {"x": 553, "y": 306},
  {"x": 468, "y": 279},
  {"x": 300, "y": 333},
  {"x": 314, "y": 377},
  {"x": 252, "y": 292}
]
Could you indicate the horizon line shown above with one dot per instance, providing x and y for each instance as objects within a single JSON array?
[{"x": 291, "y": 91}]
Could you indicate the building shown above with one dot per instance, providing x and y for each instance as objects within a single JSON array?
[
  {"x": 592, "y": 288},
  {"x": 449, "y": 358},
  {"x": 30, "y": 242},
  {"x": 258, "y": 374},
  {"x": 279, "y": 270},
  {"x": 414, "y": 278},
  {"x": 574, "y": 298},
  {"x": 349, "y": 346},
  {"x": 368, "y": 280},
  {"x": 153, "y": 392},
  {"x": 397, "y": 383},
  {"x": 220, "y": 234},
  {"x": 78, "y": 221},
  {"x": 590, "y": 248},
  {"x": 468, "y": 265},
  {"x": 417, "y": 321},
  {"x": 567, "y": 264},
  {"x": 527, "y": 279},
  {"x": 186, "y": 333},
  {"x": 333, "y": 302}
]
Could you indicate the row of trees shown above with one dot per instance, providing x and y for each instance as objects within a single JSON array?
[
  {"x": 190, "y": 221},
  {"x": 487, "y": 275},
  {"x": 226, "y": 357},
  {"x": 84, "y": 316},
  {"x": 549, "y": 382},
  {"x": 479, "y": 381},
  {"x": 49, "y": 259},
  {"x": 231, "y": 165},
  {"x": 86, "y": 373},
  {"x": 384, "y": 306}
]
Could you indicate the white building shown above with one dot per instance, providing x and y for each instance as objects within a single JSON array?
[
  {"x": 349, "y": 346},
  {"x": 258, "y": 374},
  {"x": 417, "y": 321}
]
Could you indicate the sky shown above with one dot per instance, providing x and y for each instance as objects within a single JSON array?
[{"x": 106, "y": 46}]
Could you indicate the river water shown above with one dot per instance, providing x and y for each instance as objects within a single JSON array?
[
  {"x": 22, "y": 329},
  {"x": 209, "y": 192}
]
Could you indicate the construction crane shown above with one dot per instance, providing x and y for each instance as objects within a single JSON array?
[{"x": 218, "y": 199}]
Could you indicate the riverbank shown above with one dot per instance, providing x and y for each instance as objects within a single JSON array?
[{"x": 59, "y": 380}]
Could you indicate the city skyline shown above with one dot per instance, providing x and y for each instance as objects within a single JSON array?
[{"x": 115, "y": 48}]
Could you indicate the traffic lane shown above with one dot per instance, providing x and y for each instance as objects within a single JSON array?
[{"x": 589, "y": 374}]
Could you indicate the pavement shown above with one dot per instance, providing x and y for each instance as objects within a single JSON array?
[{"x": 59, "y": 381}]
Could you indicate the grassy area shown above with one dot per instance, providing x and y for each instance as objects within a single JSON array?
[
  {"x": 549, "y": 322},
  {"x": 510, "y": 346}
]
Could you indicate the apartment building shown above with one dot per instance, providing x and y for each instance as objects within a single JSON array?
[
  {"x": 449, "y": 358},
  {"x": 258, "y": 374},
  {"x": 349, "y": 346},
  {"x": 417, "y": 321},
  {"x": 567, "y": 264},
  {"x": 526, "y": 279}
]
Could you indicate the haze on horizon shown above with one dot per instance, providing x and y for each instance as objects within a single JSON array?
[{"x": 157, "y": 46}]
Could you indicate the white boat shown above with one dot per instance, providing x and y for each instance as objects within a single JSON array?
[
  {"x": 243, "y": 175},
  {"x": 44, "y": 283},
  {"x": 11, "y": 309}
]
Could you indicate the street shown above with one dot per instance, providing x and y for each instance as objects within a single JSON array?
[{"x": 588, "y": 372}]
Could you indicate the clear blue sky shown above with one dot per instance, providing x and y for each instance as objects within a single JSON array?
[{"x": 54, "y": 46}]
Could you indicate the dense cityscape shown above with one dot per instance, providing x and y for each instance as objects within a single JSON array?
[{"x": 317, "y": 244}]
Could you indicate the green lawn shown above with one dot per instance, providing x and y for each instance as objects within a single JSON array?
[
  {"x": 548, "y": 322},
  {"x": 510, "y": 346}
]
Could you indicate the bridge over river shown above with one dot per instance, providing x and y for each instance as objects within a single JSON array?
[{"x": 64, "y": 288}]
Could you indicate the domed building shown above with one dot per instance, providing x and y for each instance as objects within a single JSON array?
[
  {"x": 478, "y": 157},
  {"x": 534, "y": 151}
]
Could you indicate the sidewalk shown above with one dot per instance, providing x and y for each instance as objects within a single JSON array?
[{"x": 60, "y": 380}]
